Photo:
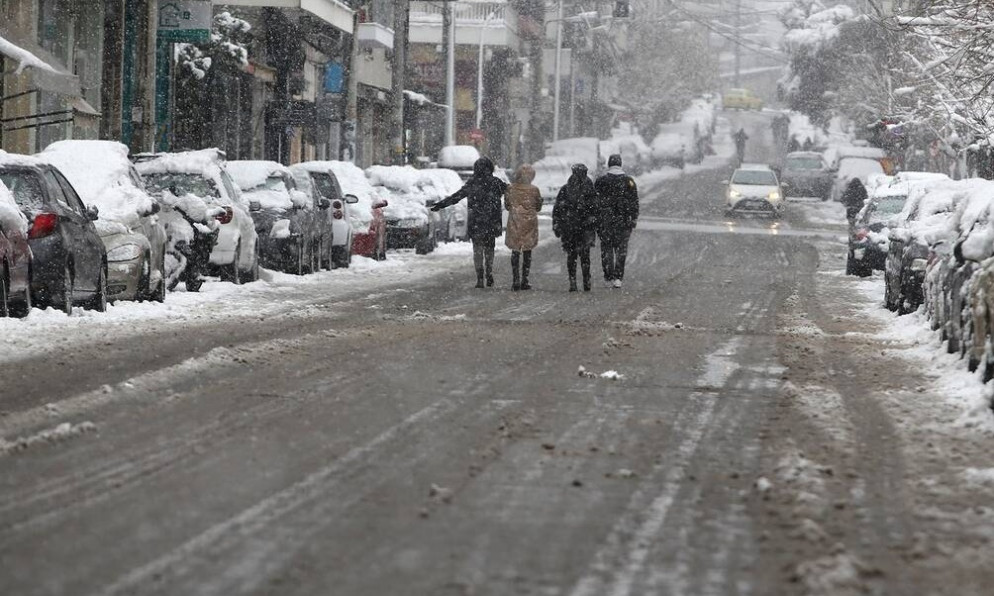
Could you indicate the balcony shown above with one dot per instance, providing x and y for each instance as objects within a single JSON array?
[
  {"x": 495, "y": 21},
  {"x": 374, "y": 35},
  {"x": 334, "y": 12}
]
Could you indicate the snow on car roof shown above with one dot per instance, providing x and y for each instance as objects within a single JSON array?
[
  {"x": 249, "y": 174},
  {"x": 100, "y": 172},
  {"x": 804, "y": 154},
  {"x": 754, "y": 166},
  {"x": 202, "y": 161},
  {"x": 458, "y": 156},
  {"x": 16, "y": 159}
]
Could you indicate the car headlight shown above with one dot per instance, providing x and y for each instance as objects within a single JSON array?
[
  {"x": 773, "y": 196},
  {"x": 919, "y": 264},
  {"x": 125, "y": 252},
  {"x": 734, "y": 194}
]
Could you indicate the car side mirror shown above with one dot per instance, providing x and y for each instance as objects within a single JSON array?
[
  {"x": 92, "y": 213},
  {"x": 255, "y": 206},
  {"x": 324, "y": 204},
  {"x": 155, "y": 208},
  {"x": 430, "y": 203},
  {"x": 380, "y": 204},
  {"x": 351, "y": 199}
]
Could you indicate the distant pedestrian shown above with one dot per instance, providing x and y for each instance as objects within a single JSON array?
[
  {"x": 793, "y": 145},
  {"x": 574, "y": 222},
  {"x": 854, "y": 197},
  {"x": 483, "y": 191},
  {"x": 619, "y": 210},
  {"x": 523, "y": 201},
  {"x": 740, "y": 139}
]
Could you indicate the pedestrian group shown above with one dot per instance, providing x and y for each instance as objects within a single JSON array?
[{"x": 584, "y": 210}]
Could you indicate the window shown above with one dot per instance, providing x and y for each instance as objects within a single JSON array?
[
  {"x": 804, "y": 163},
  {"x": 56, "y": 189},
  {"x": 325, "y": 186},
  {"x": 75, "y": 203},
  {"x": 754, "y": 177},
  {"x": 26, "y": 187},
  {"x": 182, "y": 184}
]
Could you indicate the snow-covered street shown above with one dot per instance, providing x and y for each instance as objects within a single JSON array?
[{"x": 740, "y": 418}]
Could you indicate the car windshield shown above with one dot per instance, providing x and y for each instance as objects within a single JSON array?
[
  {"x": 884, "y": 209},
  {"x": 804, "y": 163},
  {"x": 181, "y": 184},
  {"x": 754, "y": 177},
  {"x": 26, "y": 187}
]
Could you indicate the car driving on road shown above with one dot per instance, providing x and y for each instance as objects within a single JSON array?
[
  {"x": 805, "y": 174},
  {"x": 754, "y": 188}
]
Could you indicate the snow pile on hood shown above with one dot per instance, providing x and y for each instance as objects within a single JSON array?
[
  {"x": 11, "y": 217},
  {"x": 100, "y": 172},
  {"x": 252, "y": 178},
  {"x": 460, "y": 157},
  {"x": 409, "y": 189},
  {"x": 352, "y": 181}
]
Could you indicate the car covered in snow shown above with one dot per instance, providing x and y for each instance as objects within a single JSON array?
[
  {"x": 636, "y": 155},
  {"x": 754, "y": 188},
  {"x": 669, "y": 148},
  {"x": 868, "y": 236},
  {"x": 294, "y": 235},
  {"x": 409, "y": 222},
  {"x": 806, "y": 174},
  {"x": 69, "y": 261},
  {"x": 366, "y": 217},
  {"x": 551, "y": 174},
  {"x": 202, "y": 174},
  {"x": 318, "y": 179},
  {"x": 15, "y": 258},
  {"x": 585, "y": 150},
  {"x": 135, "y": 239},
  {"x": 927, "y": 219}
]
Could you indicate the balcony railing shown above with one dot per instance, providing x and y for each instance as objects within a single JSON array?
[{"x": 495, "y": 21}]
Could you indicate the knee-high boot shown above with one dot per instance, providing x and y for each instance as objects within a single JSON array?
[
  {"x": 526, "y": 266},
  {"x": 515, "y": 278}
]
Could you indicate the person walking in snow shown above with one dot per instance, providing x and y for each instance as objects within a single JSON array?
[
  {"x": 619, "y": 199},
  {"x": 740, "y": 139},
  {"x": 483, "y": 192},
  {"x": 574, "y": 222},
  {"x": 854, "y": 197},
  {"x": 523, "y": 202}
]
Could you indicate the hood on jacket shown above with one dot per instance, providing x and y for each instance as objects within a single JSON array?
[
  {"x": 483, "y": 167},
  {"x": 524, "y": 174},
  {"x": 616, "y": 171}
]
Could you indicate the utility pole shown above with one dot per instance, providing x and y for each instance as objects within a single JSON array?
[
  {"x": 401, "y": 12},
  {"x": 738, "y": 46},
  {"x": 559, "y": 52},
  {"x": 347, "y": 151},
  {"x": 449, "y": 47}
]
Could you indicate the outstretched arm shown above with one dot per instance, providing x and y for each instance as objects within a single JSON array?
[{"x": 452, "y": 199}]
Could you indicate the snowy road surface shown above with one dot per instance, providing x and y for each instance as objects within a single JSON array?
[{"x": 399, "y": 432}]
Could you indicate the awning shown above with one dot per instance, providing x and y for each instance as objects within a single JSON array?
[{"x": 333, "y": 12}]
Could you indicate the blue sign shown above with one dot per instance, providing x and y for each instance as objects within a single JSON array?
[{"x": 334, "y": 77}]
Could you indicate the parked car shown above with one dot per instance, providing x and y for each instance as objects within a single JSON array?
[
  {"x": 459, "y": 158},
  {"x": 69, "y": 261},
  {"x": 805, "y": 174},
  {"x": 293, "y": 234},
  {"x": 868, "y": 237},
  {"x": 551, "y": 173},
  {"x": 585, "y": 150},
  {"x": 318, "y": 180},
  {"x": 854, "y": 167},
  {"x": 741, "y": 99},
  {"x": 129, "y": 226},
  {"x": 409, "y": 222},
  {"x": 669, "y": 149},
  {"x": 366, "y": 217},
  {"x": 636, "y": 155},
  {"x": 203, "y": 175},
  {"x": 923, "y": 222},
  {"x": 754, "y": 188},
  {"x": 15, "y": 258}
]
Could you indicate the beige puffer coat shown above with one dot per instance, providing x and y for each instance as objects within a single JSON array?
[{"x": 523, "y": 202}]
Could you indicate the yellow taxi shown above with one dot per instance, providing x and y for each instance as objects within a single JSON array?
[{"x": 741, "y": 99}]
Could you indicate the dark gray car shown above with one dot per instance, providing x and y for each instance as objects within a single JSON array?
[
  {"x": 805, "y": 174},
  {"x": 70, "y": 263}
]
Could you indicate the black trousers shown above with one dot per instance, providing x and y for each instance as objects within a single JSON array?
[
  {"x": 483, "y": 256},
  {"x": 582, "y": 253},
  {"x": 614, "y": 251}
]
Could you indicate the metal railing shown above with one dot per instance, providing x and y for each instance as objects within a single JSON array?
[{"x": 466, "y": 13}]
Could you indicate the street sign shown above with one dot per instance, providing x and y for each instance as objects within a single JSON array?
[{"x": 187, "y": 21}]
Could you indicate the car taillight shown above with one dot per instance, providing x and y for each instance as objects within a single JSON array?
[
  {"x": 336, "y": 204},
  {"x": 43, "y": 225},
  {"x": 337, "y": 214},
  {"x": 861, "y": 234},
  {"x": 225, "y": 217}
]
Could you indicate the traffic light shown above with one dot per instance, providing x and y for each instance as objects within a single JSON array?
[{"x": 622, "y": 9}]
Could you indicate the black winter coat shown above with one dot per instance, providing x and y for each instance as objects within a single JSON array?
[
  {"x": 574, "y": 216},
  {"x": 619, "y": 200},
  {"x": 854, "y": 197},
  {"x": 484, "y": 206}
]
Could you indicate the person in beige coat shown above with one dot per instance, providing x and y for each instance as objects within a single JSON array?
[{"x": 523, "y": 202}]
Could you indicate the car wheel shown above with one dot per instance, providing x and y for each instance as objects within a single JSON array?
[
  {"x": 23, "y": 308},
  {"x": 99, "y": 301},
  {"x": 193, "y": 285},
  {"x": 252, "y": 273},
  {"x": 68, "y": 289},
  {"x": 145, "y": 282},
  {"x": 4, "y": 294},
  {"x": 234, "y": 273}
]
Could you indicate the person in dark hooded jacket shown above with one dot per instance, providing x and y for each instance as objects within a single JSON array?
[
  {"x": 484, "y": 206},
  {"x": 574, "y": 222},
  {"x": 854, "y": 197},
  {"x": 619, "y": 211}
]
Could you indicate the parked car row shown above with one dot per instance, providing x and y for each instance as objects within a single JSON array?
[
  {"x": 83, "y": 223},
  {"x": 934, "y": 239}
]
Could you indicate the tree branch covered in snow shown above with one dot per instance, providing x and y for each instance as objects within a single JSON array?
[{"x": 229, "y": 37}]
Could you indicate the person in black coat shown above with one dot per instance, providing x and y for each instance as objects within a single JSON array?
[
  {"x": 854, "y": 197},
  {"x": 619, "y": 211},
  {"x": 484, "y": 193},
  {"x": 574, "y": 222}
]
